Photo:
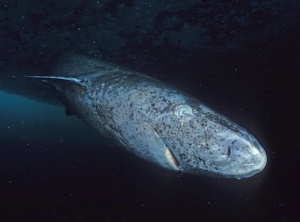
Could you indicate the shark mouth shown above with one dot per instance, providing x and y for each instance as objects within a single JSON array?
[{"x": 172, "y": 159}]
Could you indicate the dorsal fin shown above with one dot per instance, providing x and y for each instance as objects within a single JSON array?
[
  {"x": 46, "y": 78},
  {"x": 76, "y": 65}
]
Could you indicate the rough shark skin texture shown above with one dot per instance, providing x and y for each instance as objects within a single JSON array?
[{"x": 155, "y": 121}]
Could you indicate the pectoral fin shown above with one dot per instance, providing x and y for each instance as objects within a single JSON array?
[{"x": 148, "y": 144}]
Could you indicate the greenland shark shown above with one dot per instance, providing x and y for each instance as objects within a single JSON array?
[{"x": 153, "y": 120}]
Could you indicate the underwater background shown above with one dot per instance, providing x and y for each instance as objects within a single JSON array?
[{"x": 241, "y": 58}]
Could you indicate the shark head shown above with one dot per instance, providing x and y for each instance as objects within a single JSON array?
[{"x": 198, "y": 140}]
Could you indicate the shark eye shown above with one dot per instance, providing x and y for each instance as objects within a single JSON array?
[{"x": 183, "y": 111}]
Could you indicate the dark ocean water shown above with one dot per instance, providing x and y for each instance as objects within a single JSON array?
[{"x": 55, "y": 168}]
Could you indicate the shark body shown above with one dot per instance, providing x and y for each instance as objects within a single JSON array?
[{"x": 155, "y": 121}]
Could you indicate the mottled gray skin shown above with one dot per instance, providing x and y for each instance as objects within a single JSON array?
[{"x": 155, "y": 121}]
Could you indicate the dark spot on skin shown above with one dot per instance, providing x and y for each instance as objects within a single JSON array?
[{"x": 183, "y": 156}]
